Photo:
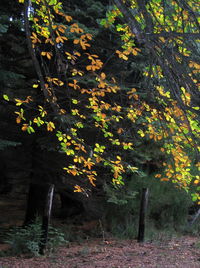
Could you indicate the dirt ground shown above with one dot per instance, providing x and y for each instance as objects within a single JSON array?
[{"x": 181, "y": 252}]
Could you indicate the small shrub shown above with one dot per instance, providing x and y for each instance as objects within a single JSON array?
[
  {"x": 56, "y": 239},
  {"x": 27, "y": 239}
]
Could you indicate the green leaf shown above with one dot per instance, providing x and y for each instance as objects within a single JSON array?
[
  {"x": 6, "y": 97},
  {"x": 30, "y": 130},
  {"x": 74, "y": 101}
]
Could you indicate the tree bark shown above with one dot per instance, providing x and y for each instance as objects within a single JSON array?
[
  {"x": 143, "y": 208},
  {"x": 36, "y": 203}
]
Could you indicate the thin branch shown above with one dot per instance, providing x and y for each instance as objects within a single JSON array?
[{"x": 36, "y": 64}]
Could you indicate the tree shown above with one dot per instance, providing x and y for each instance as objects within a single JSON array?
[
  {"x": 91, "y": 121},
  {"x": 169, "y": 33}
]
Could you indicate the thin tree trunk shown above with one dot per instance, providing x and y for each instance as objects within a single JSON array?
[
  {"x": 143, "y": 208},
  {"x": 46, "y": 219},
  {"x": 197, "y": 215}
]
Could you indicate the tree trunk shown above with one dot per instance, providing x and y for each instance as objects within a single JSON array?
[
  {"x": 143, "y": 208},
  {"x": 195, "y": 218},
  {"x": 35, "y": 202},
  {"x": 46, "y": 219},
  {"x": 39, "y": 204}
]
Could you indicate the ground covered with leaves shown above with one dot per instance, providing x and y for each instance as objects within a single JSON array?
[{"x": 183, "y": 252}]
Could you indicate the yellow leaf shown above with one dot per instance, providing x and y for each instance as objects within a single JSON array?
[
  {"x": 50, "y": 126},
  {"x": 134, "y": 52},
  {"x": 121, "y": 55},
  {"x": 91, "y": 179},
  {"x": 77, "y": 188},
  {"x": 18, "y": 102},
  {"x": 62, "y": 111},
  {"x": 162, "y": 39},
  {"x": 49, "y": 55}
]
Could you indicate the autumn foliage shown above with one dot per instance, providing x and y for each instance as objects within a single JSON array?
[{"x": 64, "y": 58}]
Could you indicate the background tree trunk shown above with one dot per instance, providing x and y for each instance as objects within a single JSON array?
[
  {"x": 37, "y": 202},
  {"x": 143, "y": 208}
]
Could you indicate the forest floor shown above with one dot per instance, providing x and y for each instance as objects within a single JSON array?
[{"x": 183, "y": 252}]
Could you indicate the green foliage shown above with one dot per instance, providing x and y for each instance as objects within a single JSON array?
[
  {"x": 168, "y": 205},
  {"x": 167, "y": 211},
  {"x": 3, "y": 28},
  {"x": 5, "y": 143},
  {"x": 193, "y": 230},
  {"x": 118, "y": 196},
  {"x": 159, "y": 236},
  {"x": 56, "y": 239},
  {"x": 119, "y": 215},
  {"x": 27, "y": 239},
  {"x": 198, "y": 244},
  {"x": 11, "y": 77},
  {"x": 4, "y": 20}
]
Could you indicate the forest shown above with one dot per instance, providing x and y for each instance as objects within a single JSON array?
[{"x": 100, "y": 133}]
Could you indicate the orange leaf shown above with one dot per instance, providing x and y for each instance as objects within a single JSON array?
[
  {"x": 76, "y": 41},
  {"x": 103, "y": 76},
  {"x": 24, "y": 127},
  {"x": 164, "y": 179},
  {"x": 18, "y": 120}
]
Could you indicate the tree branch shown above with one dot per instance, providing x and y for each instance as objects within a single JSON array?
[
  {"x": 36, "y": 64},
  {"x": 130, "y": 20}
]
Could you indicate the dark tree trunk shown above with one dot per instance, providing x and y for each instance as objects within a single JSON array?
[
  {"x": 36, "y": 202},
  {"x": 143, "y": 208},
  {"x": 39, "y": 204}
]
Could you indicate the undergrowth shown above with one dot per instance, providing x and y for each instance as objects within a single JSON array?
[
  {"x": 167, "y": 212},
  {"x": 27, "y": 240}
]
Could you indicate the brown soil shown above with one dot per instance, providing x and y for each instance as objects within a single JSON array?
[{"x": 180, "y": 252}]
